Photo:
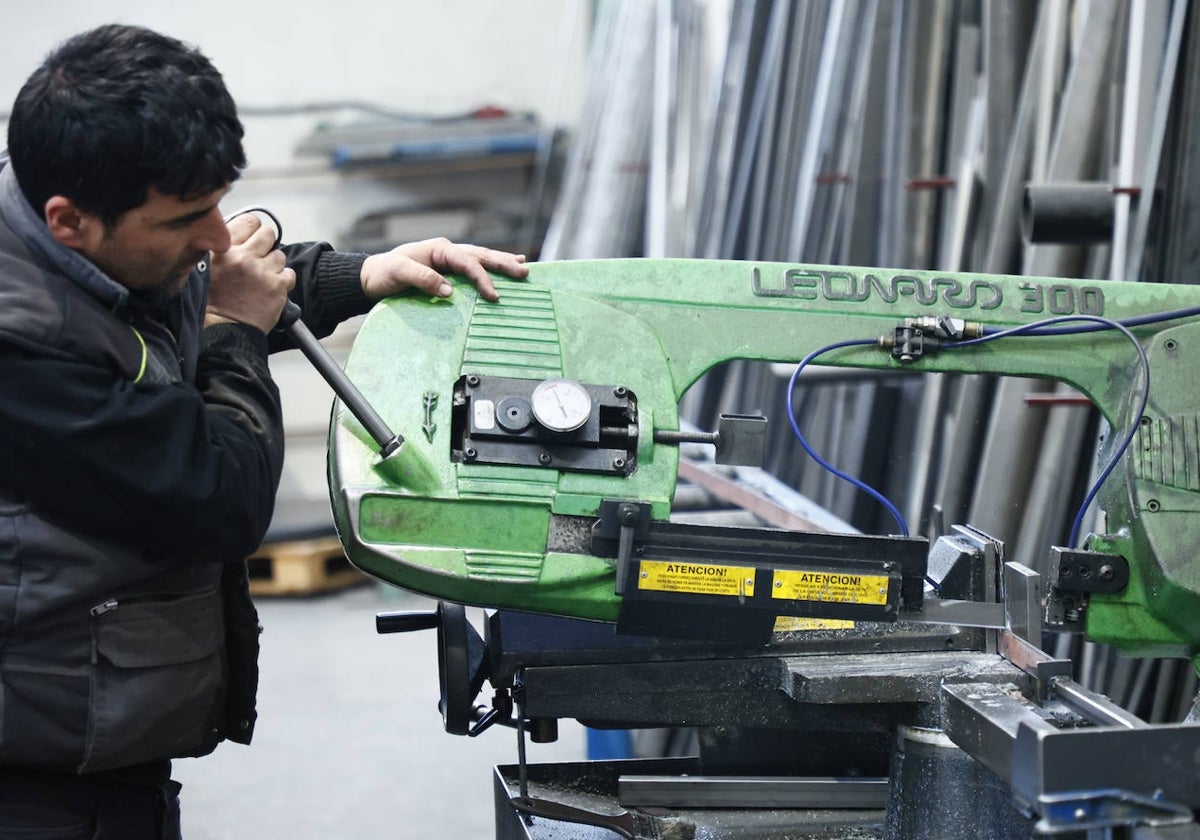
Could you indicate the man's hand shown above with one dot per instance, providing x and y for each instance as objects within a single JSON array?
[
  {"x": 251, "y": 280},
  {"x": 417, "y": 266}
]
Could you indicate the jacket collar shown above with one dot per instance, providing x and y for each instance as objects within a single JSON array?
[{"x": 31, "y": 230}]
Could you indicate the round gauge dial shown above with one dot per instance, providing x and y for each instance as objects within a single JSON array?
[{"x": 561, "y": 405}]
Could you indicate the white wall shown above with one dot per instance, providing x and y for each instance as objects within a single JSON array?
[
  {"x": 414, "y": 56},
  {"x": 438, "y": 57}
]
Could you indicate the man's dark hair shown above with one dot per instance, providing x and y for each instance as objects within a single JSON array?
[{"x": 117, "y": 110}]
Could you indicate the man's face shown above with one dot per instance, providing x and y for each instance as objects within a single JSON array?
[{"x": 152, "y": 248}]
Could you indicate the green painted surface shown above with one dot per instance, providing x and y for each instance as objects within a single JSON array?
[
  {"x": 477, "y": 534},
  {"x": 480, "y": 524}
]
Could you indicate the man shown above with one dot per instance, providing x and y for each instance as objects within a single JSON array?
[{"x": 141, "y": 441}]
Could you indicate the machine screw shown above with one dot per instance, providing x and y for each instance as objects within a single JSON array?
[
  {"x": 469, "y": 454},
  {"x": 544, "y": 458},
  {"x": 618, "y": 463},
  {"x": 645, "y": 574},
  {"x": 619, "y": 391},
  {"x": 473, "y": 380},
  {"x": 1106, "y": 572},
  {"x": 779, "y": 584}
]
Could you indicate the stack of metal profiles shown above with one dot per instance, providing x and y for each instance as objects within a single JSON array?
[{"x": 910, "y": 135}]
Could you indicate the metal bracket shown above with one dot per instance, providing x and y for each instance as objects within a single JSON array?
[
  {"x": 1087, "y": 571},
  {"x": 1021, "y": 644},
  {"x": 1120, "y": 773},
  {"x": 1023, "y": 602},
  {"x": 624, "y": 521},
  {"x": 1033, "y": 661},
  {"x": 1103, "y": 809},
  {"x": 1074, "y": 575},
  {"x": 741, "y": 439}
]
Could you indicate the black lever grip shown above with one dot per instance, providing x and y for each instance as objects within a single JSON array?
[{"x": 404, "y": 622}]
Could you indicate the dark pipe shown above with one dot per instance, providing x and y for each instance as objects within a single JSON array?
[
  {"x": 1068, "y": 213},
  {"x": 346, "y": 391}
]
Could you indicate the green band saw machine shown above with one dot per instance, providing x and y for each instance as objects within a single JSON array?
[{"x": 523, "y": 456}]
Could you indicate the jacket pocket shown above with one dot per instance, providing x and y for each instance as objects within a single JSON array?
[{"x": 157, "y": 678}]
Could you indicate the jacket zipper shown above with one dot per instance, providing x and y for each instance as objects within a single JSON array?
[
  {"x": 103, "y": 607},
  {"x": 175, "y": 338},
  {"x": 110, "y": 604}
]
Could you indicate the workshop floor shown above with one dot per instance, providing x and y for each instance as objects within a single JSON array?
[{"x": 349, "y": 741}]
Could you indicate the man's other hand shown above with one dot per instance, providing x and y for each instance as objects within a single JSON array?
[
  {"x": 251, "y": 280},
  {"x": 418, "y": 265}
]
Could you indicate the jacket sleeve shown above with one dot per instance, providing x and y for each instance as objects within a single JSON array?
[
  {"x": 189, "y": 470},
  {"x": 328, "y": 288}
]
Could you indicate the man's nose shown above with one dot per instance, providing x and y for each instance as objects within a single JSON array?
[{"x": 211, "y": 233}]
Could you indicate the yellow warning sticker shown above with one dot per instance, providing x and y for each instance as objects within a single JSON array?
[
  {"x": 794, "y": 623},
  {"x": 697, "y": 578},
  {"x": 837, "y": 587}
]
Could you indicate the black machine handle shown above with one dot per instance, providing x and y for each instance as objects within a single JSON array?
[
  {"x": 346, "y": 391},
  {"x": 405, "y": 622}
]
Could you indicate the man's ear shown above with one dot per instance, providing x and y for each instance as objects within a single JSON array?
[{"x": 69, "y": 225}]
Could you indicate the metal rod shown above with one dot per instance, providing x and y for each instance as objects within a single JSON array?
[
  {"x": 806, "y": 177},
  {"x": 669, "y": 436},
  {"x": 518, "y": 694},
  {"x": 1162, "y": 107},
  {"x": 732, "y": 221},
  {"x": 752, "y": 792},
  {"x": 346, "y": 390},
  {"x": 1095, "y": 707},
  {"x": 1130, "y": 134}
]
